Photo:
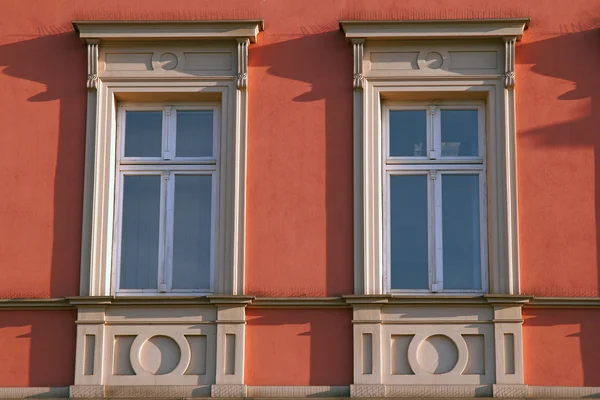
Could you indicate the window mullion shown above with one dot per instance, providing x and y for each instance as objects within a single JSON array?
[
  {"x": 162, "y": 249},
  {"x": 168, "y": 240},
  {"x": 433, "y": 132},
  {"x": 431, "y": 229},
  {"x": 168, "y": 132},
  {"x": 439, "y": 256}
]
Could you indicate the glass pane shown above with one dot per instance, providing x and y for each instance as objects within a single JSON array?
[
  {"x": 408, "y": 232},
  {"x": 143, "y": 133},
  {"x": 459, "y": 133},
  {"x": 460, "y": 231},
  {"x": 408, "y": 133},
  {"x": 192, "y": 231},
  {"x": 140, "y": 231},
  {"x": 194, "y": 133}
]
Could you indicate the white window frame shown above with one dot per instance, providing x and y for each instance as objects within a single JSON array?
[
  {"x": 147, "y": 78},
  {"x": 411, "y": 75},
  {"x": 425, "y": 165},
  {"x": 167, "y": 167}
]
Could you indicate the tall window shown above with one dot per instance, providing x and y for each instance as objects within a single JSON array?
[
  {"x": 434, "y": 195},
  {"x": 167, "y": 197}
]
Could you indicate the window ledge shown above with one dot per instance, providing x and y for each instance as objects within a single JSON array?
[{"x": 445, "y": 299}]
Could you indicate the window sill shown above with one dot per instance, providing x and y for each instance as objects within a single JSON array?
[
  {"x": 437, "y": 298},
  {"x": 167, "y": 299}
]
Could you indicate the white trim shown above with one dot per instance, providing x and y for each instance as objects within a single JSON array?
[
  {"x": 159, "y": 37},
  {"x": 433, "y": 164},
  {"x": 165, "y": 167},
  {"x": 169, "y": 30},
  {"x": 102, "y": 201},
  {"x": 435, "y": 29},
  {"x": 501, "y": 175}
]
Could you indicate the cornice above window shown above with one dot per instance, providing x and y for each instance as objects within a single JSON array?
[
  {"x": 168, "y": 30},
  {"x": 435, "y": 29}
]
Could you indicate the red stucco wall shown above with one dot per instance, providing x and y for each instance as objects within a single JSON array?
[
  {"x": 299, "y": 149},
  {"x": 561, "y": 347},
  {"x": 37, "y": 348},
  {"x": 298, "y": 347},
  {"x": 299, "y": 199}
]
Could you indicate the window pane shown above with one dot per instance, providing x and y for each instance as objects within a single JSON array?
[
  {"x": 191, "y": 232},
  {"x": 408, "y": 133},
  {"x": 194, "y": 133},
  {"x": 460, "y": 231},
  {"x": 140, "y": 231},
  {"x": 459, "y": 133},
  {"x": 143, "y": 133},
  {"x": 408, "y": 232}
]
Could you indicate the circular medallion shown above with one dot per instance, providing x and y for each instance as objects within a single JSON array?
[
  {"x": 168, "y": 61},
  {"x": 434, "y": 60}
]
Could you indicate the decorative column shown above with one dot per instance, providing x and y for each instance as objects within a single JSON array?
[
  {"x": 92, "y": 77},
  {"x": 358, "y": 46},
  {"x": 509, "y": 62},
  {"x": 242, "y": 51},
  {"x": 366, "y": 323},
  {"x": 231, "y": 329},
  {"x": 90, "y": 360},
  {"x": 511, "y": 167},
  {"x": 88, "y": 180},
  {"x": 508, "y": 344},
  {"x": 235, "y": 283},
  {"x": 358, "y": 80}
]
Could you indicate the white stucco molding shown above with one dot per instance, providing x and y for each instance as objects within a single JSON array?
[
  {"x": 435, "y": 29},
  {"x": 168, "y": 30},
  {"x": 474, "y": 60},
  {"x": 206, "y": 60},
  {"x": 482, "y": 336},
  {"x": 355, "y": 391},
  {"x": 70, "y": 303}
]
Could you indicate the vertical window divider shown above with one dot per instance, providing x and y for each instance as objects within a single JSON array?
[
  {"x": 439, "y": 253},
  {"x": 430, "y": 229},
  {"x": 432, "y": 137},
  {"x": 162, "y": 248},
  {"x": 172, "y": 132},
  {"x": 168, "y": 151},
  {"x": 169, "y": 221}
]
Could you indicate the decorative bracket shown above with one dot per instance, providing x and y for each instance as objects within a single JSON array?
[
  {"x": 242, "y": 76},
  {"x": 92, "y": 77},
  {"x": 509, "y": 62},
  {"x": 358, "y": 45}
]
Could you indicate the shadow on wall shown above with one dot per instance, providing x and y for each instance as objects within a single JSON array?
[
  {"x": 58, "y": 62},
  {"x": 323, "y": 60},
  {"x": 579, "y": 68},
  {"x": 37, "y": 348},
  {"x": 579, "y": 58},
  {"x": 298, "y": 347}
]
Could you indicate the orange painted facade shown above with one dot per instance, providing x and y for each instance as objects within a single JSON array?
[{"x": 299, "y": 238}]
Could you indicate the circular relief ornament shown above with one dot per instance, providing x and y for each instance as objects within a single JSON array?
[
  {"x": 434, "y": 60},
  {"x": 160, "y": 355},
  {"x": 168, "y": 61},
  {"x": 437, "y": 354}
]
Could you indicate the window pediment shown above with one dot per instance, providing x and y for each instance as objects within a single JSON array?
[
  {"x": 440, "y": 29},
  {"x": 122, "y": 50},
  {"x": 168, "y": 30}
]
